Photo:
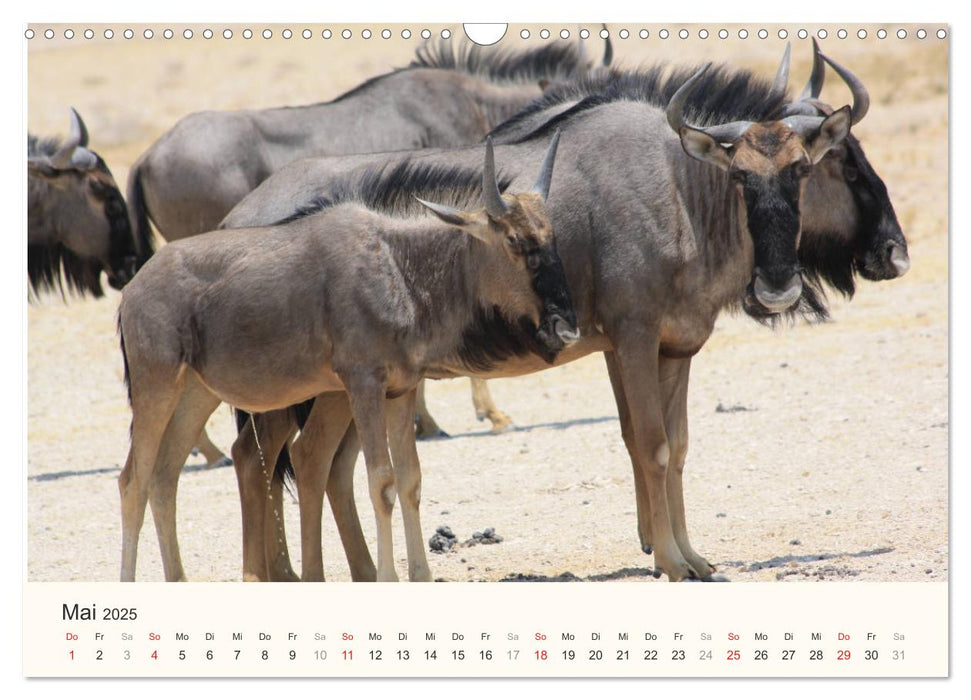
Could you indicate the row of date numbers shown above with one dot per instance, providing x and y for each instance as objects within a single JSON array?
[{"x": 732, "y": 655}]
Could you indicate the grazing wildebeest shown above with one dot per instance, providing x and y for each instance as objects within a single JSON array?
[
  {"x": 196, "y": 172},
  {"x": 656, "y": 243},
  {"x": 342, "y": 297},
  {"x": 77, "y": 222}
]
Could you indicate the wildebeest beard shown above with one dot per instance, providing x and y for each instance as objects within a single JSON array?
[
  {"x": 769, "y": 212},
  {"x": 492, "y": 338}
]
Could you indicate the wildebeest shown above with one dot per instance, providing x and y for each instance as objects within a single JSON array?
[
  {"x": 656, "y": 243},
  {"x": 359, "y": 294},
  {"x": 195, "y": 173},
  {"x": 77, "y": 221}
]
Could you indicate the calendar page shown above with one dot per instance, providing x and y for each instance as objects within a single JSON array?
[{"x": 361, "y": 350}]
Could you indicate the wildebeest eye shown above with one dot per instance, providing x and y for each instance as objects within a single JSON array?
[
  {"x": 98, "y": 187},
  {"x": 533, "y": 261},
  {"x": 850, "y": 173}
]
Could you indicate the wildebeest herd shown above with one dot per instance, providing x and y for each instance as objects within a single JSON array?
[{"x": 342, "y": 276}]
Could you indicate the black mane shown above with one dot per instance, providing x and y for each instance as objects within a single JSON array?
[
  {"x": 392, "y": 190},
  {"x": 722, "y": 94},
  {"x": 555, "y": 61},
  {"x": 558, "y": 61}
]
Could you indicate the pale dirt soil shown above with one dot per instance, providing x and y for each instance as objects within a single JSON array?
[{"x": 837, "y": 470}]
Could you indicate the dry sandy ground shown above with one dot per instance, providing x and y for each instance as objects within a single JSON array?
[{"x": 836, "y": 469}]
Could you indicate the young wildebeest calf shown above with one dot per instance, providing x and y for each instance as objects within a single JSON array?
[
  {"x": 77, "y": 221},
  {"x": 342, "y": 300}
]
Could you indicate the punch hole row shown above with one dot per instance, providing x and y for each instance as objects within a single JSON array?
[{"x": 287, "y": 33}]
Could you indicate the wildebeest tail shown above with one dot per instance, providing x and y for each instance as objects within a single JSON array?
[
  {"x": 138, "y": 211},
  {"x": 124, "y": 360}
]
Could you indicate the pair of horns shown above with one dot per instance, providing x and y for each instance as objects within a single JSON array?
[
  {"x": 72, "y": 154},
  {"x": 495, "y": 205},
  {"x": 802, "y": 116},
  {"x": 814, "y": 86}
]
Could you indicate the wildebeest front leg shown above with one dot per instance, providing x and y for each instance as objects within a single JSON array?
[
  {"x": 637, "y": 357},
  {"x": 367, "y": 394},
  {"x": 627, "y": 432},
  {"x": 313, "y": 453},
  {"x": 485, "y": 407},
  {"x": 404, "y": 456},
  {"x": 674, "y": 391}
]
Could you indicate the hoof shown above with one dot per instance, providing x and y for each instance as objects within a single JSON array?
[
  {"x": 716, "y": 579},
  {"x": 498, "y": 429},
  {"x": 648, "y": 549},
  {"x": 439, "y": 435},
  {"x": 223, "y": 461}
]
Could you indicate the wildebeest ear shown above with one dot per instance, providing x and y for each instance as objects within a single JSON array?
[
  {"x": 465, "y": 221},
  {"x": 831, "y": 133},
  {"x": 703, "y": 147}
]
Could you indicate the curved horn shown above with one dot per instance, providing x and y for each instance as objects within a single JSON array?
[
  {"x": 61, "y": 158},
  {"x": 782, "y": 74},
  {"x": 815, "y": 84},
  {"x": 675, "y": 108},
  {"x": 542, "y": 185},
  {"x": 608, "y": 49},
  {"x": 861, "y": 98},
  {"x": 491, "y": 197},
  {"x": 77, "y": 125},
  {"x": 723, "y": 133}
]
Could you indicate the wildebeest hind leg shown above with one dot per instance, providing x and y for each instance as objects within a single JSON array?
[
  {"x": 193, "y": 409},
  {"x": 485, "y": 407},
  {"x": 260, "y": 505},
  {"x": 404, "y": 456},
  {"x": 627, "y": 431},
  {"x": 214, "y": 456},
  {"x": 312, "y": 453},
  {"x": 152, "y": 406},
  {"x": 427, "y": 427},
  {"x": 278, "y": 566},
  {"x": 674, "y": 390},
  {"x": 340, "y": 494}
]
